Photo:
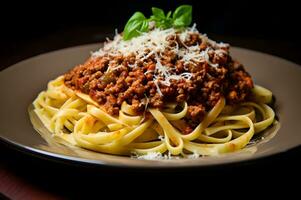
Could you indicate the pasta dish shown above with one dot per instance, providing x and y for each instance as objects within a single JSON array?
[{"x": 160, "y": 87}]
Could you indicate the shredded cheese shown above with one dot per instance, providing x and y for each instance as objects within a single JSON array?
[
  {"x": 156, "y": 156},
  {"x": 155, "y": 43},
  {"x": 193, "y": 156}
]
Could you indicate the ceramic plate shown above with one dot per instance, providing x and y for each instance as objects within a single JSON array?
[{"x": 20, "y": 84}]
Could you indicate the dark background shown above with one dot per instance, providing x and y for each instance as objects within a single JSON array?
[{"x": 30, "y": 29}]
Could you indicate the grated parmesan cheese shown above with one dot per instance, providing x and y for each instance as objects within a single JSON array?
[
  {"x": 155, "y": 43},
  {"x": 156, "y": 156},
  {"x": 193, "y": 156},
  {"x": 160, "y": 156}
]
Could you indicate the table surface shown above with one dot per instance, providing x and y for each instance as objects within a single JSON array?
[{"x": 23, "y": 176}]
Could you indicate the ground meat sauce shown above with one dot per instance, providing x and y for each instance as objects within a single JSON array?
[{"x": 135, "y": 85}]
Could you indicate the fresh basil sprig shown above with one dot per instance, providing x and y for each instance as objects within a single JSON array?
[
  {"x": 138, "y": 23},
  {"x": 160, "y": 19}
]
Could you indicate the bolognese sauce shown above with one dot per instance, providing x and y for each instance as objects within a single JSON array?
[{"x": 164, "y": 76}]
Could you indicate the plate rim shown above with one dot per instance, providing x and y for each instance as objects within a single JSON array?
[{"x": 55, "y": 157}]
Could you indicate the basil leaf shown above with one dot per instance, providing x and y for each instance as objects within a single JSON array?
[
  {"x": 136, "y": 24},
  {"x": 144, "y": 26},
  {"x": 182, "y": 16},
  {"x": 158, "y": 13},
  {"x": 160, "y": 19},
  {"x": 168, "y": 14}
]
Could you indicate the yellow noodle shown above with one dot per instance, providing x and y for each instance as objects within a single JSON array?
[{"x": 76, "y": 119}]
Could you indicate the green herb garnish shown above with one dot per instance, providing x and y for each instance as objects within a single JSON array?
[
  {"x": 138, "y": 23},
  {"x": 160, "y": 19},
  {"x": 182, "y": 16}
]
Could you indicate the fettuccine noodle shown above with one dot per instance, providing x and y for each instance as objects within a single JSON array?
[{"x": 78, "y": 120}]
